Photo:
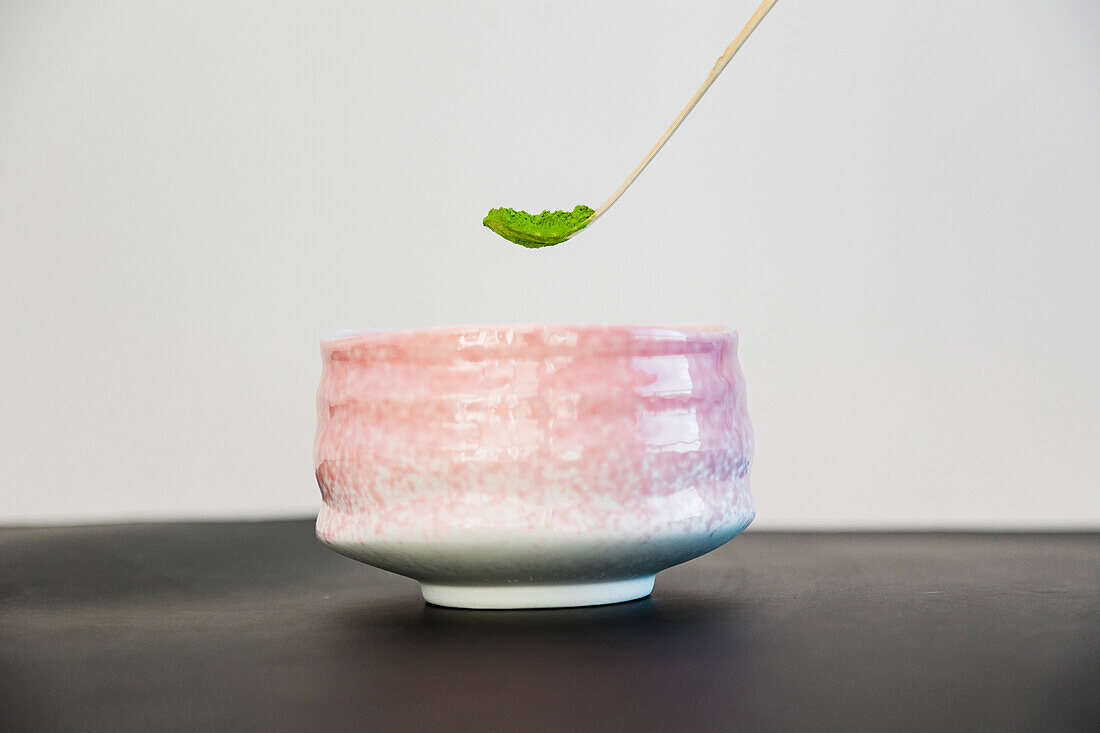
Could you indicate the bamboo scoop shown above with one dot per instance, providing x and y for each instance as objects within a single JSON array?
[{"x": 554, "y": 227}]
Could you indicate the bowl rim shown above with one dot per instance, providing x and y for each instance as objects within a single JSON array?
[{"x": 345, "y": 336}]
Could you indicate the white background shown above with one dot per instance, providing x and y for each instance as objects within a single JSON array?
[{"x": 898, "y": 204}]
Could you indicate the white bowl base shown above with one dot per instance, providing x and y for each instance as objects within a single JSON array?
[{"x": 537, "y": 596}]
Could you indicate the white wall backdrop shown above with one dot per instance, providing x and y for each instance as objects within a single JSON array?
[{"x": 897, "y": 203}]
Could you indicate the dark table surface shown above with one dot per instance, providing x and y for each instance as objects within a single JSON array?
[{"x": 255, "y": 626}]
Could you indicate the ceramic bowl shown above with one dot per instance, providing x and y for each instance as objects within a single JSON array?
[{"x": 532, "y": 465}]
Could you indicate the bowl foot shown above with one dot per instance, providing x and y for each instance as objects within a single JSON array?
[{"x": 537, "y": 596}]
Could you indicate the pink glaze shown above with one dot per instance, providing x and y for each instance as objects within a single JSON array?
[{"x": 482, "y": 432}]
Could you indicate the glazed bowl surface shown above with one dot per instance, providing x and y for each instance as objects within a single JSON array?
[{"x": 532, "y": 465}]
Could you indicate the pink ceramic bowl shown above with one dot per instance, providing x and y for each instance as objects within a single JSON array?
[{"x": 532, "y": 466}]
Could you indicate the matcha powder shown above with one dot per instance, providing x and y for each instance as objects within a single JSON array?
[{"x": 538, "y": 230}]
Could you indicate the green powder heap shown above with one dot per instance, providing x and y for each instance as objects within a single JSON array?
[{"x": 538, "y": 230}]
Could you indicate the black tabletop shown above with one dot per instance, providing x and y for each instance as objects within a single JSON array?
[{"x": 255, "y": 626}]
